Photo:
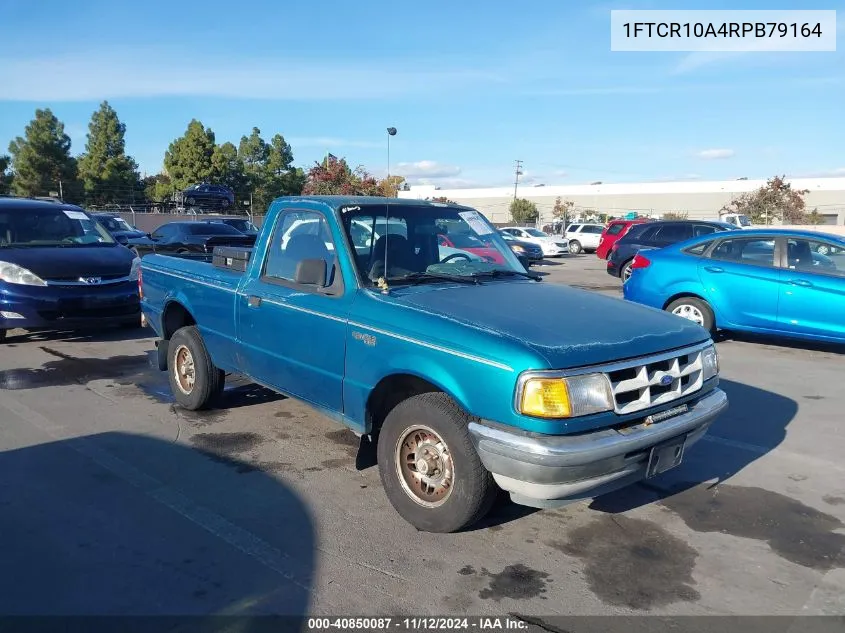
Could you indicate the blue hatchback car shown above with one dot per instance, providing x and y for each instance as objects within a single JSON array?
[{"x": 781, "y": 282}]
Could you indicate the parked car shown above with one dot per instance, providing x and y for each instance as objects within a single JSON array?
[
  {"x": 756, "y": 280},
  {"x": 470, "y": 242},
  {"x": 583, "y": 237},
  {"x": 208, "y": 196},
  {"x": 553, "y": 246},
  {"x": 193, "y": 237},
  {"x": 244, "y": 225},
  {"x": 532, "y": 252},
  {"x": 467, "y": 375},
  {"x": 656, "y": 235},
  {"x": 59, "y": 269},
  {"x": 120, "y": 229},
  {"x": 614, "y": 230}
]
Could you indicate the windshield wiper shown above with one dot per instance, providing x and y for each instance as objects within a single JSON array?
[
  {"x": 416, "y": 278},
  {"x": 502, "y": 272}
]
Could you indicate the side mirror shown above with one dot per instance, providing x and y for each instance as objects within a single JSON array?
[
  {"x": 122, "y": 239},
  {"x": 311, "y": 272},
  {"x": 524, "y": 261}
]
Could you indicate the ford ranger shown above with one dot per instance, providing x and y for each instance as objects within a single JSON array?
[{"x": 469, "y": 375}]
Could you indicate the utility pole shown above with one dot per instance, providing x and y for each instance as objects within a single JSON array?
[
  {"x": 61, "y": 193},
  {"x": 518, "y": 173}
]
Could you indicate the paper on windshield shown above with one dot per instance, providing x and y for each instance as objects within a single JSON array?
[
  {"x": 75, "y": 215},
  {"x": 475, "y": 222}
]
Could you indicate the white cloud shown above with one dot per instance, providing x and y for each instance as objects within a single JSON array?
[
  {"x": 445, "y": 183},
  {"x": 154, "y": 73},
  {"x": 715, "y": 154},
  {"x": 426, "y": 169}
]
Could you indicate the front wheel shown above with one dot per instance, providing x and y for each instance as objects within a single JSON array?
[
  {"x": 695, "y": 310},
  {"x": 574, "y": 247},
  {"x": 2, "y": 336},
  {"x": 194, "y": 380},
  {"x": 429, "y": 468}
]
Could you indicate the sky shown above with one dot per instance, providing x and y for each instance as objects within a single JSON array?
[{"x": 470, "y": 86}]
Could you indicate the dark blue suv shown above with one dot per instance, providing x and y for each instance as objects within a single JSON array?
[{"x": 656, "y": 235}]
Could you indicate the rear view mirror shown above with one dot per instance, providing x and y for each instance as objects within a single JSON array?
[{"x": 311, "y": 272}]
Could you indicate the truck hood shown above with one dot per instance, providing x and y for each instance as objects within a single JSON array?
[
  {"x": 566, "y": 326},
  {"x": 57, "y": 262}
]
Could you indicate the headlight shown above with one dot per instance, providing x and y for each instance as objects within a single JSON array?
[
  {"x": 133, "y": 271},
  {"x": 14, "y": 274},
  {"x": 516, "y": 248},
  {"x": 709, "y": 362},
  {"x": 565, "y": 397}
]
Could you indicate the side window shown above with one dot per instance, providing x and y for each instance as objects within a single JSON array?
[
  {"x": 162, "y": 233},
  {"x": 702, "y": 229},
  {"x": 672, "y": 233},
  {"x": 815, "y": 256},
  {"x": 615, "y": 229},
  {"x": 698, "y": 249},
  {"x": 648, "y": 234},
  {"x": 760, "y": 252},
  {"x": 592, "y": 229},
  {"x": 299, "y": 236},
  {"x": 571, "y": 228}
]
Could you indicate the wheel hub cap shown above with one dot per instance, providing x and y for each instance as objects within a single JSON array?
[
  {"x": 424, "y": 466},
  {"x": 185, "y": 370}
]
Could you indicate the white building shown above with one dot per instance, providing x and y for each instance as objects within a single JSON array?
[{"x": 697, "y": 199}]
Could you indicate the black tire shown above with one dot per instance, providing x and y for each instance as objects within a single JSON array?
[
  {"x": 472, "y": 491},
  {"x": 575, "y": 247},
  {"x": 208, "y": 380},
  {"x": 2, "y": 336},
  {"x": 625, "y": 270},
  {"x": 708, "y": 320}
]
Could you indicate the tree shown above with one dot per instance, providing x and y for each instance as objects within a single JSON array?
[
  {"x": 814, "y": 217},
  {"x": 188, "y": 159},
  {"x": 776, "y": 199},
  {"x": 158, "y": 188},
  {"x": 41, "y": 159},
  {"x": 5, "y": 175},
  {"x": 390, "y": 186},
  {"x": 227, "y": 168},
  {"x": 107, "y": 173},
  {"x": 675, "y": 215},
  {"x": 562, "y": 209},
  {"x": 268, "y": 168},
  {"x": 443, "y": 199},
  {"x": 333, "y": 176},
  {"x": 524, "y": 211}
]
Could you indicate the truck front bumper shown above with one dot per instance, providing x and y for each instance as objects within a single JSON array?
[{"x": 550, "y": 470}]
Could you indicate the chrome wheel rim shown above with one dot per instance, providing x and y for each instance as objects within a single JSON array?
[
  {"x": 689, "y": 312},
  {"x": 184, "y": 370},
  {"x": 424, "y": 466},
  {"x": 626, "y": 272}
]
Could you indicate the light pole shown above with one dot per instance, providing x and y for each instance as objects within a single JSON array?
[{"x": 391, "y": 131}]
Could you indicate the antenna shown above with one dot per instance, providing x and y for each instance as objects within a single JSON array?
[{"x": 391, "y": 131}]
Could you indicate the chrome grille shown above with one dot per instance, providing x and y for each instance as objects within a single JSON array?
[{"x": 652, "y": 381}]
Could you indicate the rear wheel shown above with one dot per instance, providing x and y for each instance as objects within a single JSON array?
[
  {"x": 625, "y": 273},
  {"x": 575, "y": 247},
  {"x": 194, "y": 380},
  {"x": 695, "y": 310},
  {"x": 429, "y": 468}
]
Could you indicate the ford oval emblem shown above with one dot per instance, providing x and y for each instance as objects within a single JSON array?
[{"x": 666, "y": 380}]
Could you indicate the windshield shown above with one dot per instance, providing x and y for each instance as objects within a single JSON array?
[
  {"x": 743, "y": 220},
  {"x": 201, "y": 228},
  {"x": 50, "y": 227},
  {"x": 413, "y": 244},
  {"x": 535, "y": 232},
  {"x": 114, "y": 224}
]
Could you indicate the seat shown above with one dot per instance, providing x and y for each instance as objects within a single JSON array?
[
  {"x": 401, "y": 258},
  {"x": 800, "y": 255},
  {"x": 299, "y": 247}
]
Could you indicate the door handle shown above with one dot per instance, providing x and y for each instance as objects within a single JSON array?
[
  {"x": 253, "y": 302},
  {"x": 714, "y": 269},
  {"x": 801, "y": 282}
]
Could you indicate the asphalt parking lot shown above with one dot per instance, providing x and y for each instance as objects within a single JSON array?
[{"x": 113, "y": 501}]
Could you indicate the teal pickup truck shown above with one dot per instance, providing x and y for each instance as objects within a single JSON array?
[{"x": 468, "y": 372}]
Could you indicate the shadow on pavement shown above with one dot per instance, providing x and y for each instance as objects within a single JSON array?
[
  {"x": 128, "y": 525},
  {"x": 778, "y": 343},
  {"x": 101, "y": 335},
  {"x": 754, "y": 424}
]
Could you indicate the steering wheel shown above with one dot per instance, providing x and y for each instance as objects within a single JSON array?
[{"x": 449, "y": 258}]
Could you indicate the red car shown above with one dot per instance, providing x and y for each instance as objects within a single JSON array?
[
  {"x": 612, "y": 232},
  {"x": 470, "y": 243}
]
